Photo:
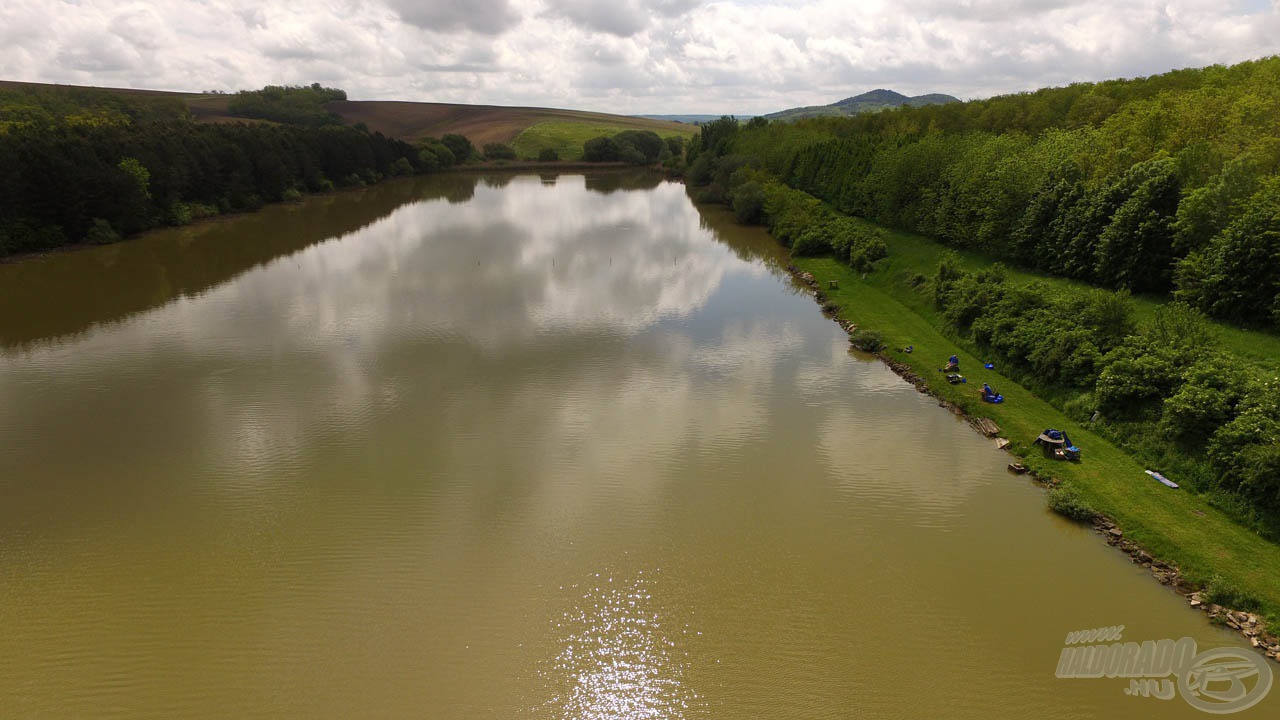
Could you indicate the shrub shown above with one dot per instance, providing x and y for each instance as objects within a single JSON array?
[
  {"x": 1109, "y": 316},
  {"x": 631, "y": 155},
  {"x": 294, "y": 195},
  {"x": 868, "y": 340},
  {"x": 1081, "y": 407},
  {"x": 434, "y": 155},
  {"x": 748, "y": 203},
  {"x": 1245, "y": 451},
  {"x": 1067, "y": 502},
  {"x": 811, "y": 241},
  {"x": 699, "y": 170},
  {"x": 645, "y": 142},
  {"x": 498, "y": 151},
  {"x": 949, "y": 270},
  {"x": 600, "y": 149},
  {"x": 459, "y": 146},
  {"x": 865, "y": 248},
  {"x": 1221, "y": 592},
  {"x": 1180, "y": 326},
  {"x": 101, "y": 233},
  {"x": 179, "y": 214},
  {"x": 548, "y": 155},
  {"x": 1135, "y": 375},
  {"x": 1210, "y": 393},
  {"x": 400, "y": 168}
]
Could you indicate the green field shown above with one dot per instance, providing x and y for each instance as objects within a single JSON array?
[
  {"x": 1174, "y": 525},
  {"x": 567, "y": 137}
]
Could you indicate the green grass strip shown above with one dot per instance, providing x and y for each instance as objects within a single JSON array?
[{"x": 1173, "y": 525}]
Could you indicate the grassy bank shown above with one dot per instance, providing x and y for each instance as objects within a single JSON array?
[
  {"x": 1176, "y": 526},
  {"x": 910, "y": 254}
]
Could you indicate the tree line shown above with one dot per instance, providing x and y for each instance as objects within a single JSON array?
[
  {"x": 66, "y": 181},
  {"x": 636, "y": 147},
  {"x": 1166, "y": 184},
  {"x": 292, "y": 104}
]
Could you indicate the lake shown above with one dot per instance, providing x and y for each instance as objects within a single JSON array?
[{"x": 510, "y": 446}]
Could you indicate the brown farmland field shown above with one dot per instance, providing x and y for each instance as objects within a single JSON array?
[
  {"x": 480, "y": 123},
  {"x": 415, "y": 120}
]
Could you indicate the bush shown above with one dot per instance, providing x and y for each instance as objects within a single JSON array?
[
  {"x": 434, "y": 154},
  {"x": 859, "y": 247},
  {"x": 498, "y": 151},
  {"x": 1135, "y": 375},
  {"x": 1067, "y": 502},
  {"x": 600, "y": 149},
  {"x": 548, "y": 155},
  {"x": 179, "y": 214},
  {"x": 1208, "y": 399},
  {"x": 1221, "y": 592},
  {"x": 867, "y": 340},
  {"x": 459, "y": 146},
  {"x": 294, "y": 195},
  {"x": 1081, "y": 407},
  {"x": 1245, "y": 452},
  {"x": 700, "y": 171},
  {"x": 631, "y": 155},
  {"x": 748, "y": 203},
  {"x": 101, "y": 233},
  {"x": 400, "y": 168},
  {"x": 811, "y": 241},
  {"x": 646, "y": 142}
]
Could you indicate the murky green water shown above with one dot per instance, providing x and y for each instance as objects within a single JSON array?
[{"x": 502, "y": 448}]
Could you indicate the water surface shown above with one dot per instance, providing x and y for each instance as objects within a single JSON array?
[{"x": 542, "y": 447}]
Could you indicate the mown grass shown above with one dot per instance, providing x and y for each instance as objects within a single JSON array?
[
  {"x": 566, "y": 137},
  {"x": 1174, "y": 525}
]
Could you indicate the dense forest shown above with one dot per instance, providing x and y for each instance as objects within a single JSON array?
[
  {"x": 1161, "y": 184},
  {"x": 86, "y": 166},
  {"x": 1164, "y": 185}
]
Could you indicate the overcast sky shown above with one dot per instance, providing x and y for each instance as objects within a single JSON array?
[{"x": 627, "y": 56}]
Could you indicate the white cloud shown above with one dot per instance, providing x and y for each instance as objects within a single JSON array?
[
  {"x": 676, "y": 56},
  {"x": 487, "y": 17}
]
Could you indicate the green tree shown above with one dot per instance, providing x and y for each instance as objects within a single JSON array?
[
  {"x": 1135, "y": 251},
  {"x": 462, "y": 149},
  {"x": 600, "y": 149}
]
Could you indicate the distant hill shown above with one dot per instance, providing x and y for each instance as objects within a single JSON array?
[
  {"x": 414, "y": 120},
  {"x": 481, "y": 123},
  {"x": 692, "y": 119},
  {"x": 873, "y": 101}
]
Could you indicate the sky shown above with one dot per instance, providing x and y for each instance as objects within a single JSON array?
[{"x": 625, "y": 56}]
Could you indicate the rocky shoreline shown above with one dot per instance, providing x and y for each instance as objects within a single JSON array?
[{"x": 1249, "y": 625}]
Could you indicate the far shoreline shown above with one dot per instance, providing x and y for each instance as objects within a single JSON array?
[{"x": 576, "y": 166}]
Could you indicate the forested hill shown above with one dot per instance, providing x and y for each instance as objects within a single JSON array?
[
  {"x": 1169, "y": 183},
  {"x": 873, "y": 101}
]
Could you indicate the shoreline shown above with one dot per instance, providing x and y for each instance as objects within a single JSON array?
[
  {"x": 574, "y": 166},
  {"x": 1249, "y": 625}
]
